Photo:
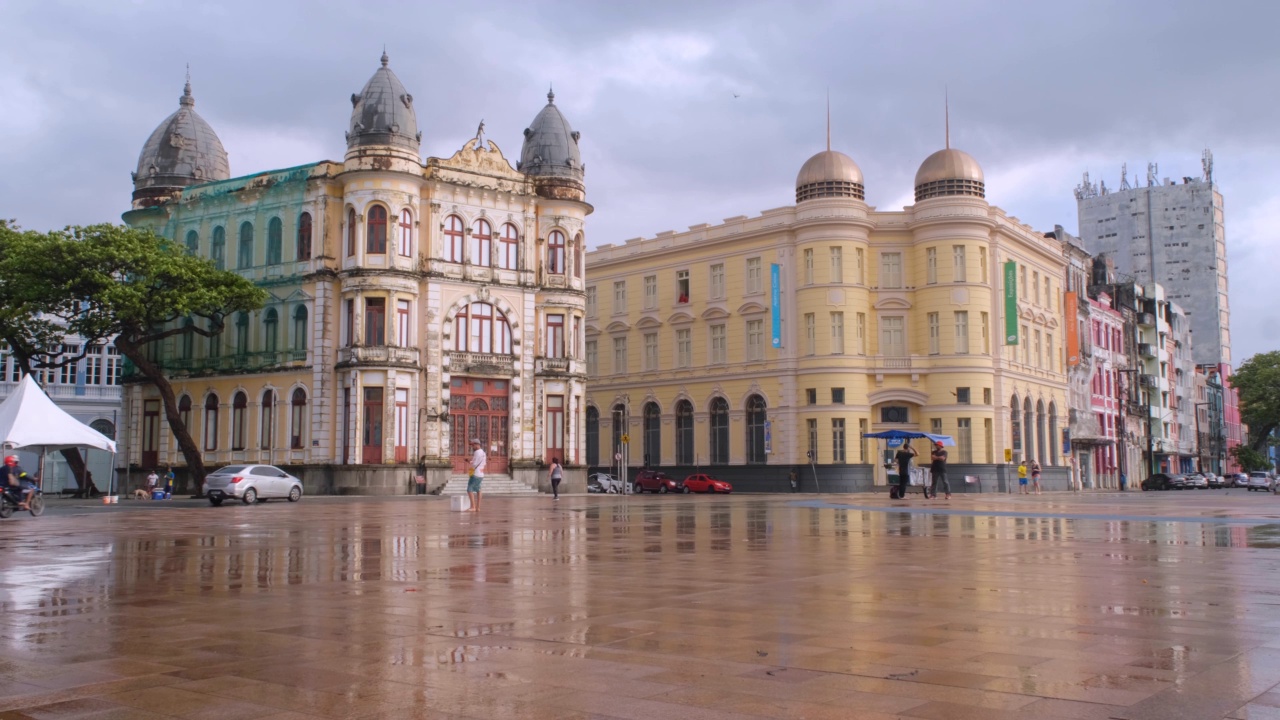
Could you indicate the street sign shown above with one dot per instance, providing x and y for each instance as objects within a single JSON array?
[
  {"x": 617, "y": 456},
  {"x": 626, "y": 439},
  {"x": 1008, "y": 455}
]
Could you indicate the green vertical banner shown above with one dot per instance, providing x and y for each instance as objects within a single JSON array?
[{"x": 1011, "y": 303}]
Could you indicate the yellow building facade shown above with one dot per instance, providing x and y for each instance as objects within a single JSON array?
[
  {"x": 775, "y": 342},
  {"x": 413, "y": 304}
]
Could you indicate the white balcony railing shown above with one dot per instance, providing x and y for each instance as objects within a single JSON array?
[
  {"x": 72, "y": 392},
  {"x": 378, "y": 355},
  {"x": 485, "y": 363},
  {"x": 551, "y": 365}
]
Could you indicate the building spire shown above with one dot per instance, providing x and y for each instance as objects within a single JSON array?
[
  {"x": 384, "y": 58},
  {"x": 187, "y": 98},
  {"x": 551, "y": 94},
  {"x": 946, "y": 101}
]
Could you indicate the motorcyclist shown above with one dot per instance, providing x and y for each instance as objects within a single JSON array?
[{"x": 16, "y": 482}]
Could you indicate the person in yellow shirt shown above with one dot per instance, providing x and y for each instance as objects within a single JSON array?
[{"x": 1022, "y": 478}]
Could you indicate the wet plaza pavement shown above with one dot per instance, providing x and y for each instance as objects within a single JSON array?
[{"x": 1144, "y": 607}]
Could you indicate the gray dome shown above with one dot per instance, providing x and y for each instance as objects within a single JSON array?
[
  {"x": 551, "y": 146},
  {"x": 382, "y": 114},
  {"x": 949, "y": 172},
  {"x": 829, "y": 174},
  {"x": 182, "y": 151}
]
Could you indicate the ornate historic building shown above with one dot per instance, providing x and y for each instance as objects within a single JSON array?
[
  {"x": 414, "y": 304},
  {"x": 775, "y": 342}
]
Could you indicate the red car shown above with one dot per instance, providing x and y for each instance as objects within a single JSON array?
[
  {"x": 655, "y": 481},
  {"x": 706, "y": 484}
]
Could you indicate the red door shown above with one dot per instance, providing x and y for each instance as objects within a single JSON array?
[
  {"x": 478, "y": 408},
  {"x": 150, "y": 433},
  {"x": 371, "y": 452}
]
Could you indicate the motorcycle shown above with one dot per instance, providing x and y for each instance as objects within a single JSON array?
[{"x": 9, "y": 503}]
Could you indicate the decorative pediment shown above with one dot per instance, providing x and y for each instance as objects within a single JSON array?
[
  {"x": 752, "y": 308},
  {"x": 888, "y": 395},
  {"x": 593, "y": 329},
  {"x": 680, "y": 317},
  {"x": 892, "y": 303},
  {"x": 617, "y": 326},
  {"x": 714, "y": 313},
  {"x": 645, "y": 323},
  {"x": 482, "y": 155}
]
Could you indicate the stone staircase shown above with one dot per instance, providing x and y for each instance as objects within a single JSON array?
[{"x": 492, "y": 485}]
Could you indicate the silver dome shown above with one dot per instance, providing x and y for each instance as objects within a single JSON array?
[
  {"x": 551, "y": 146},
  {"x": 182, "y": 151},
  {"x": 949, "y": 172},
  {"x": 382, "y": 113},
  {"x": 829, "y": 174}
]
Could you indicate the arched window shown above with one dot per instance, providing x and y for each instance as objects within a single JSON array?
[
  {"x": 376, "y": 240},
  {"x": 684, "y": 433},
  {"x": 270, "y": 330},
  {"x": 267, "y": 433},
  {"x": 300, "y": 329},
  {"x": 108, "y": 428},
  {"x": 351, "y": 232},
  {"x": 652, "y": 435},
  {"x": 242, "y": 334},
  {"x": 297, "y": 417},
  {"x": 275, "y": 241},
  {"x": 481, "y": 328},
  {"x": 756, "y": 418},
  {"x": 1015, "y": 428},
  {"x": 239, "y": 407},
  {"x": 244, "y": 257},
  {"x": 578, "y": 255},
  {"x": 188, "y": 339},
  {"x": 406, "y": 233},
  {"x": 184, "y": 412},
  {"x": 304, "y": 236},
  {"x": 481, "y": 243},
  {"x": 1042, "y": 454},
  {"x": 593, "y": 436},
  {"x": 719, "y": 432},
  {"x": 193, "y": 242},
  {"x": 555, "y": 253},
  {"x": 211, "y": 423},
  {"x": 1053, "y": 433},
  {"x": 453, "y": 246},
  {"x": 1028, "y": 430},
  {"x": 218, "y": 248},
  {"x": 508, "y": 247}
]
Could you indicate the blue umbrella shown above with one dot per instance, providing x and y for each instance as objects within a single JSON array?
[{"x": 910, "y": 435}]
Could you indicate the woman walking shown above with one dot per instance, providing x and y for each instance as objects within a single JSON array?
[
  {"x": 1035, "y": 475},
  {"x": 557, "y": 474}
]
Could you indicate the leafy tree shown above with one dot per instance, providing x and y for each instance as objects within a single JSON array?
[
  {"x": 1258, "y": 383},
  {"x": 110, "y": 281},
  {"x": 1250, "y": 459}
]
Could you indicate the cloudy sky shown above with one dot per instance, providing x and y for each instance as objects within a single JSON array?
[{"x": 690, "y": 112}]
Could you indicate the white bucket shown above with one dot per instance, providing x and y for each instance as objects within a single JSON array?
[{"x": 459, "y": 503}]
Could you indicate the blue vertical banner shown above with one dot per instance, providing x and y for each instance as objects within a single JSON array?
[
  {"x": 768, "y": 437},
  {"x": 775, "y": 302}
]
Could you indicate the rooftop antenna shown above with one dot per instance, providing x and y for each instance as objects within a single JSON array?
[
  {"x": 946, "y": 101},
  {"x": 828, "y": 118}
]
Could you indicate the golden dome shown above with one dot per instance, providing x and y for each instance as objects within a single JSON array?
[
  {"x": 949, "y": 172},
  {"x": 829, "y": 174}
]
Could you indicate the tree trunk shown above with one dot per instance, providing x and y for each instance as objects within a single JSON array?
[
  {"x": 75, "y": 461},
  {"x": 155, "y": 374}
]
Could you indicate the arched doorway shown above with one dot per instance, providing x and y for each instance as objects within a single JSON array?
[
  {"x": 719, "y": 431},
  {"x": 478, "y": 409},
  {"x": 1042, "y": 456},
  {"x": 1015, "y": 428},
  {"x": 593, "y": 436},
  {"x": 757, "y": 418},
  {"x": 1028, "y": 430},
  {"x": 684, "y": 433},
  {"x": 652, "y": 435},
  {"x": 1054, "y": 439}
]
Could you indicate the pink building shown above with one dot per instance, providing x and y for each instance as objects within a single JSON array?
[{"x": 1106, "y": 331}]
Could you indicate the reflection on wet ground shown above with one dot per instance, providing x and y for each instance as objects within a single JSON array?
[{"x": 1097, "y": 606}]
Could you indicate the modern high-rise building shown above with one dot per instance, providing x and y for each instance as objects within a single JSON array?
[{"x": 1170, "y": 233}]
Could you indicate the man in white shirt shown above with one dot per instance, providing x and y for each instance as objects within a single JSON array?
[
  {"x": 152, "y": 480},
  {"x": 478, "y": 461}
]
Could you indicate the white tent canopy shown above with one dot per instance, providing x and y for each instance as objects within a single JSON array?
[{"x": 30, "y": 420}]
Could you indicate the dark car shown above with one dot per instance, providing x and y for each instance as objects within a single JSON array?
[
  {"x": 1161, "y": 481},
  {"x": 656, "y": 481}
]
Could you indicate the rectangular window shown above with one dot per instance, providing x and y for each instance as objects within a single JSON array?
[
  {"x": 811, "y": 396},
  {"x": 684, "y": 348},
  {"x": 891, "y": 270},
  {"x": 986, "y": 334},
  {"x": 962, "y": 396},
  {"x": 555, "y": 428},
  {"x": 555, "y": 336},
  {"x": 931, "y": 265},
  {"x": 962, "y": 332},
  {"x": 934, "y": 331},
  {"x": 402, "y": 323},
  {"x": 351, "y": 323},
  {"x": 808, "y": 266},
  {"x": 1026, "y": 346},
  {"x": 837, "y": 333},
  {"x": 619, "y": 356},
  {"x": 935, "y": 425},
  {"x": 862, "y": 440},
  {"x": 837, "y": 396},
  {"x": 964, "y": 439},
  {"x": 402, "y": 425},
  {"x": 591, "y": 301},
  {"x": 893, "y": 340},
  {"x": 651, "y": 351},
  {"x": 719, "y": 353},
  {"x": 754, "y": 277},
  {"x": 593, "y": 358},
  {"x": 1048, "y": 292},
  {"x": 1022, "y": 282},
  {"x": 810, "y": 334},
  {"x": 837, "y": 440},
  {"x": 620, "y": 297},
  {"x": 1035, "y": 286},
  {"x": 859, "y": 267},
  {"x": 989, "y": 440},
  {"x": 1039, "y": 359},
  {"x": 1048, "y": 352},
  {"x": 982, "y": 264},
  {"x": 755, "y": 340},
  {"x": 837, "y": 265},
  {"x": 986, "y": 396},
  {"x": 958, "y": 262},
  {"x": 575, "y": 340},
  {"x": 682, "y": 286},
  {"x": 812, "y": 427},
  {"x": 861, "y": 333},
  {"x": 375, "y": 321},
  {"x": 717, "y": 281},
  {"x": 650, "y": 292}
]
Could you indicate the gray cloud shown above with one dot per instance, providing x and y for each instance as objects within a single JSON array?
[{"x": 1039, "y": 93}]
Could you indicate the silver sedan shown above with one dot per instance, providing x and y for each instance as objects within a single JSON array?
[{"x": 251, "y": 484}]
